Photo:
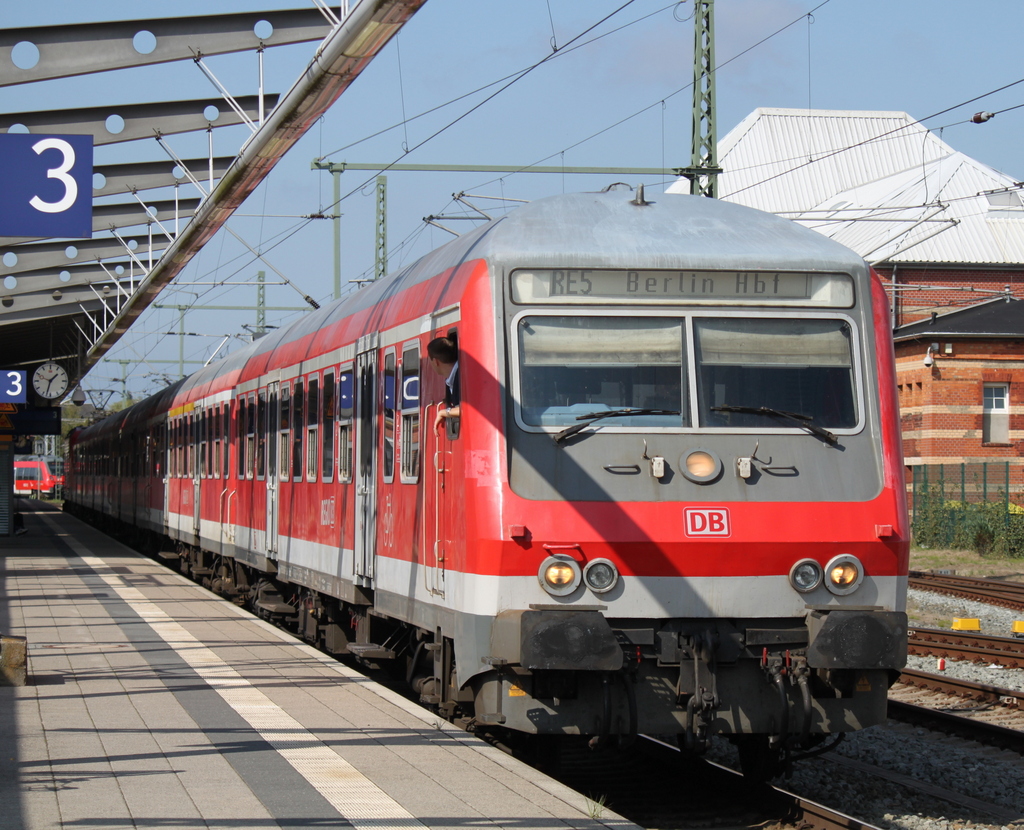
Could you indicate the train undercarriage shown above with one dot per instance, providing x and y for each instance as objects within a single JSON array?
[{"x": 763, "y": 684}]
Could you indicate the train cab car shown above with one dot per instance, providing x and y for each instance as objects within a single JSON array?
[
  {"x": 38, "y": 475},
  {"x": 671, "y": 504}
]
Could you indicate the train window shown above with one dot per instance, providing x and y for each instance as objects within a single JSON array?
[
  {"x": 346, "y": 392},
  {"x": 172, "y": 448},
  {"x": 215, "y": 442},
  {"x": 298, "y": 429},
  {"x": 227, "y": 438},
  {"x": 204, "y": 443},
  {"x": 273, "y": 431},
  {"x": 328, "y": 426},
  {"x": 261, "y": 435},
  {"x": 389, "y": 417},
  {"x": 250, "y": 439},
  {"x": 570, "y": 366},
  {"x": 410, "y": 392},
  {"x": 792, "y": 365},
  {"x": 190, "y": 445},
  {"x": 312, "y": 427},
  {"x": 240, "y": 433},
  {"x": 284, "y": 446}
]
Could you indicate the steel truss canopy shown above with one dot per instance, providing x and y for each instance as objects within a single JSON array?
[{"x": 71, "y": 299}]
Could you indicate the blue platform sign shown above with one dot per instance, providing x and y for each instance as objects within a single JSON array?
[
  {"x": 13, "y": 386},
  {"x": 47, "y": 185}
]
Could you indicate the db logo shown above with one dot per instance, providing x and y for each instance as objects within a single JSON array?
[{"x": 706, "y": 521}]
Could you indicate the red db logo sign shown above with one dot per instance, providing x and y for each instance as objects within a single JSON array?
[{"x": 706, "y": 521}]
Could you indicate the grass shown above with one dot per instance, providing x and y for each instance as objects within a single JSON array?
[
  {"x": 595, "y": 809},
  {"x": 967, "y": 563}
]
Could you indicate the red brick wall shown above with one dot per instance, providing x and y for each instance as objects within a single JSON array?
[
  {"x": 941, "y": 406},
  {"x": 949, "y": 288}
]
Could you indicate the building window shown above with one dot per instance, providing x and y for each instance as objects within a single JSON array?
[{"x": 995, "y": 419}]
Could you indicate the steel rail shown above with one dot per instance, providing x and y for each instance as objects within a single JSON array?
[
  {"x": 962, "y": 688},
  {"x": 992, "y": 591},
  {"x": 990, "y": 734},
  {"x": 960, "y": 645}
]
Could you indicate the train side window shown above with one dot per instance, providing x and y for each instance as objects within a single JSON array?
[
  {"x": 327, "y": 428},
  {"x": 284, "y": 446},
  {"x": 346, "y": 389},
  {"x": 172, "y": 447},
  {"x": 312, "y": 427},
  {"x": 240, "y": 432},
  {"x": 205, "y": 438},
  {"x": 227, "y": 438},
  {"x": 298, "y": 430},
  {"x": 410, "y": 399},
  {"x": 261, "y": 435},
  {"x": 215, "y": 439},
  {"x": 250, "y": 439},
  {"x": 389, "y": 417},
  {"x": 190, "y": 446}
]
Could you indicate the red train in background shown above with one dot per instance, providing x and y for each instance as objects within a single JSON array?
[
  {"x": 38, "y": 475},
  {"x": 672, "y": 503}
]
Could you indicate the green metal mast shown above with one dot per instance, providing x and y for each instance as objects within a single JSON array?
[
  {"x": 380, "y": 265},
  {"x": 703, "y": 170}
]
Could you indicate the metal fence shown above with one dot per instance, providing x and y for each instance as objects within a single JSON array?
[{"x": 968, "y": 507}]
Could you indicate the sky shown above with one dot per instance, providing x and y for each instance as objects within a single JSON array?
[{"x": 610, "y": 87}]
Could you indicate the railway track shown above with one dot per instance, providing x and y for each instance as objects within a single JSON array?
[
  {"x": 959, "y": 645},
  {"x": 1000, "y": 592},
  {"x": 655, "y": 786}
]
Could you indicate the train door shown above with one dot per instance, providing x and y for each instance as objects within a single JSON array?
[
  {"x": 197, "y": 473},
  {"x": 437, "y": 547},
  {"x": 273, "y": 469},
  {"x": 365, "y": 474},
  {"x": 167, "y": 429}
]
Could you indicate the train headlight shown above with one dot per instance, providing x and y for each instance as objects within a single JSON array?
[
  {"x": 600, "y": 576},
  {"x": 701, "y": 466},
  {"x": 843, "y": 574},
  {"x": 805, "y": 575},
  {"x": 560, "y": 575}
]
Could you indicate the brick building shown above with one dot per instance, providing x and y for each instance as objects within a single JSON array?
[{"x": 960, "y": 378}]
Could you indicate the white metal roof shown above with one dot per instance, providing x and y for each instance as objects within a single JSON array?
[{"x": 878, "y": 182}]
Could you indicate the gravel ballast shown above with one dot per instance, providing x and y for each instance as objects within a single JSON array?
[{"x": 954, "y": 765}]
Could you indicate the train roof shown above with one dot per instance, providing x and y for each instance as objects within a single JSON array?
[
  {"x": 614, "y": 228},
  {"x": 607, "y": 229}
]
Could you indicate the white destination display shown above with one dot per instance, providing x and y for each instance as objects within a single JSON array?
[{"x": 713, "y": 287}]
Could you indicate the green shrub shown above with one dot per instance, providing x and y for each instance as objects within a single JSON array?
[{"x": 988, "y": 528}]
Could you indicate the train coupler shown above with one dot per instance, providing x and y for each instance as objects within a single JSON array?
[{"x": 701, "y": 647}]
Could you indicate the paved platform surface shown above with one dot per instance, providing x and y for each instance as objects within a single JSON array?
[{"x": 153, "y": 703}]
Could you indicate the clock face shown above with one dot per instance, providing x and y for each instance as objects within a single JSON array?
[{"x": 50, "y": 381}]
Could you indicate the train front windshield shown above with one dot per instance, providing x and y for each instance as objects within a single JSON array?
[{"x": 575, "y": 365}]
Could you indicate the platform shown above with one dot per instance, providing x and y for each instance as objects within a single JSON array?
[{"x": 151, "y": 702}]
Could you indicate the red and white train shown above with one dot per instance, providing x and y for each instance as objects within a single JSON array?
[{"x": 672, "y": 502}]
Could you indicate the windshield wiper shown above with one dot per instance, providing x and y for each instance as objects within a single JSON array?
[
  {"x": 802, "y": 420},
  {"x": 608, "y": 413}
]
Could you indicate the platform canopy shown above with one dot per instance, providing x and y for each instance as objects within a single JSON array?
[{"x": 69, "y": 295}]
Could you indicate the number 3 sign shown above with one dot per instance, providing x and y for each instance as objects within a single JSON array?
[{"x": 47, "y": 185}]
